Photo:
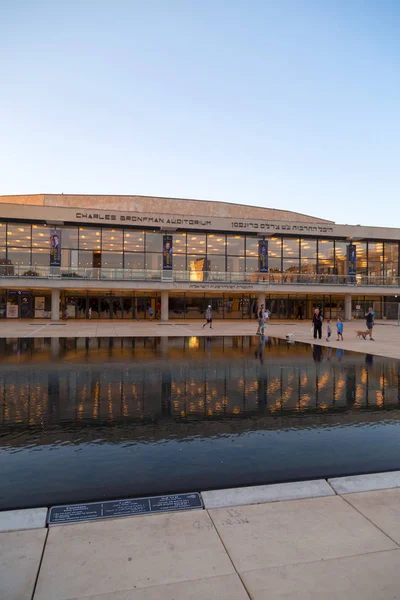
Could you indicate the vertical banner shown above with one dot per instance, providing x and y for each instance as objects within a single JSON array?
[
  {"x": 55, "y": 248},
  {"x": 167, "y": 252},
  {"x": 263, "y": 256},
  {"x": 351, "y": 259}
]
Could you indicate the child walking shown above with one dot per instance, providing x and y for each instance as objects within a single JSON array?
[
  {"x": 339, "y": 329},
  {"x": 328, "y": 331}
]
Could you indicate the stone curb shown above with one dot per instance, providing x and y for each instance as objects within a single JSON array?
[
  {"x": 267, "y": 493},
  {"x": 365, "y": 483},
  {"x": 18, "y": 520}
]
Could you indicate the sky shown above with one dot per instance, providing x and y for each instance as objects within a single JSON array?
[{"x": 289, "y": 104}]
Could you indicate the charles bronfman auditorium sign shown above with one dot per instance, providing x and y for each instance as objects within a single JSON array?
[{"x": 216, "y": 223}]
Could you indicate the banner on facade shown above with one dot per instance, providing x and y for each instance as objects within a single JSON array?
[
  {"x": 263, "y": 256},
  {"x": 55, "y": 248},
  {"x": 167, "y": 252},
  {"x": 351, "y": 259}
]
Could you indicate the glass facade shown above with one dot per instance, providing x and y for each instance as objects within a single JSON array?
[{"x": 28, "y": 245}]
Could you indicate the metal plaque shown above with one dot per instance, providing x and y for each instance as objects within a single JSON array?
[{"x": 74, "y": 513}]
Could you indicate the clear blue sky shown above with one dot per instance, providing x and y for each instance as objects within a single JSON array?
[{"x": 281, "y": 103}]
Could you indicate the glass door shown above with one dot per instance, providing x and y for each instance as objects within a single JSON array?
[{"x": 105, "y": 308}]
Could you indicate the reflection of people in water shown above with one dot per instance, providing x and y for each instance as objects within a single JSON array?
[
  {"x": 369, "y": 360},
  {"x": 339, "y": 353},
  {"x": 259, "y": 353},
  {"x": 317, "y": 353}
]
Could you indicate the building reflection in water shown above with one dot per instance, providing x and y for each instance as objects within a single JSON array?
[{"x": 108, "y": 380}]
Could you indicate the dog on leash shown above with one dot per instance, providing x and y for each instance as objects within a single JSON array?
[{"x": 360, "y": 334}]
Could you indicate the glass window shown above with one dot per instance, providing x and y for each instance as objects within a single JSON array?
[
  {"x": 133, "y": 240},
  {"x": 291, "y": 265},
  {"x": 391, "y": 252},
  {"x": 40, "y": 257},
  {"x": 2, "y": 234},
  {"x": 235, "y": 245},
  {"x": 251, "y": 264},
  {"x": 341, "y": 257},
  {"x": 361, "y": 254},
  {"x": 196, "y": 243},
  {"x": 291, "y": 247},
  {"x": 274, "y": 248},
  {"x": 153, "y": 261},
  {"x": 375, "y": 251},
  {"x": 216, "y": 263},
  {"x": 111, "y": 260},
  {"x": 40, "y": 236},
  {"x": 251, "y": 246},
  {"x": 326, "y": 256},
  {"x": 19, "y": 235},
  {"x": 235, "y": 264},
  {"x": 69, "y": 238},
  {"x": 197, "y": 263},
  {"x": 133, "y": 260},
  {"x": 216, "y": 243},
  {"x": 179, "y": 244},
  {"x": 179, "y": 261},
  {"x": 19, "y": 256},
  {"x": 111, "y": 239},
  {"x": 308, "y": 248},
  {"x": 375, "y": 268},
  {"x": 274, "y": 265},
  {"x": 308, "y": 265},
  {"x": 85, "y": 259},
  {"x": 391, "y": 260},
  {"x": 89, "y": 239},
  {"x": 154, "y": 242}
]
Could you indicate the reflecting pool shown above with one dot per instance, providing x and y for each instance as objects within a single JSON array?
[{"x": 92, "y": 418}]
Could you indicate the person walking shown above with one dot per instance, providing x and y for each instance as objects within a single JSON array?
[
  {"x": 328, "y": 331},
  {"x": 317, "y": 323},
  {"x": 208, "y": 317},
  {"x": 90, "y": 312},
  {"x": 150, "y": 312},
  {"x": 370, "y": 320},
  {"x": 339, "y": 329},
  {"x": 260, "y": 319},
  {"x": 267, "y": 315}
]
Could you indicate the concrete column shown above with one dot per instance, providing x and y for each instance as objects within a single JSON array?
[
  {"x": 261, "y": 299},
  {"x": 164, "y": 305},
  {"x": 55, "y": 305},
  {"x": 347, "y": 307}
]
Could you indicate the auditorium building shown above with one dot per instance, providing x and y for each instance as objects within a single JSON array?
[{"x": 114, "y": 257}]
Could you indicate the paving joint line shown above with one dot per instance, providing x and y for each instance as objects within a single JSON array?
[
  {"x": 368, "y": 519},
  {"x": 229, "y": 556},
  {"x": 40, "y": 563},
  {"x": 324, "y": 560}
]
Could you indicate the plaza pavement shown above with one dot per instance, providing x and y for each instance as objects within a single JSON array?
[
  {"x": 386, "y": 333},
  {"x": 303, "y": 541}
]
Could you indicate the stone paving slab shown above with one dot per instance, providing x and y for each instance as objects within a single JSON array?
[
  {"x": 106, "y": 557},
  {"x": 382, "y": 508},
  {"x": 365, "y": 483},
  {"x": 226, "y": 587},
  {"x": 30, "y": 518},
  {"x": 386, "y": 336},
  {"x": 266, "y": 493},
  {"x": 283, "y": 533},
  {"x": 20, "y": 554},
  {"x": 374, "y": 576}
]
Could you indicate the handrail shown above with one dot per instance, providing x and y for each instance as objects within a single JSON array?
[{"x": 65, "y": 273}]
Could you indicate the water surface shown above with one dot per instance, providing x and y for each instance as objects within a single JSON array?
[{"x": 94, "y": 418}]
